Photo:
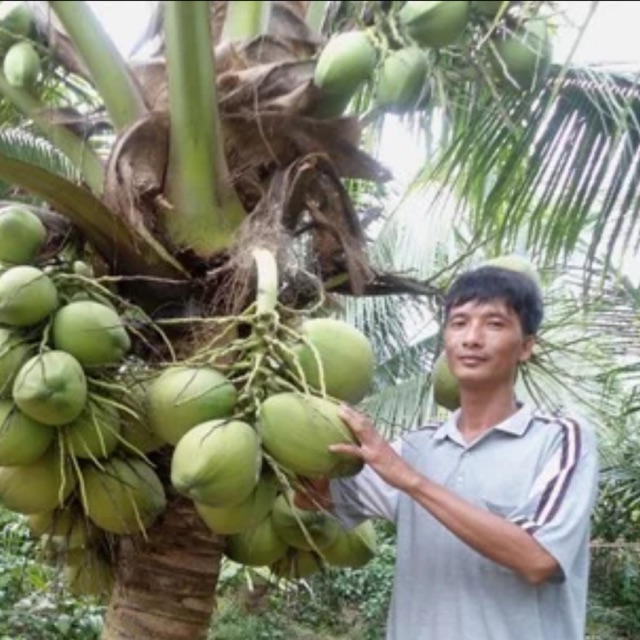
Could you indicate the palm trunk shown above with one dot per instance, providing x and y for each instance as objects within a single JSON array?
[{"x": 165, "y": 587}]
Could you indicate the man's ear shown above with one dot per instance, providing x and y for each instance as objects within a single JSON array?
[{"x": 527, "y": 348}]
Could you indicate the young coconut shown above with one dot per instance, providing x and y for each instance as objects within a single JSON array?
[
  {"x": 22, "y": 440},
  {"x": 27, "y": 296},
  {"x": 446, "y": 391},
  {"x": 217, "y": 463},
  {"x": 244, "y": 515},
  {"x": 256, "y": 547},
  {"x": 182, "y": 397},
  {"x": 434, "y": 23},
  {"x": 14, "y": 352},
  {"x": 87, "y": 573},
  {"x": 40, "y": 486},
  {"x": 302, "y": 529},
  {"x": 353, "y": 548},
  {"x": 22, "y": 235},
  {"x": 16, "y": 22},
  {"x": 94, "y": 433},
  {"x": 51, "y": 388},
  {"x": 22, "y": 66},
  {"x": 124, "y": 497},
  {"x": 91, "y": 332},
  {"x": 297, "y": 431},
  {"x": 339, "y": 354},
  {"x": 297, "y": 564},
  {"x": 401, "y": 80}
]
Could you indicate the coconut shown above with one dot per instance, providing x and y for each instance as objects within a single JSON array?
[
  {"x": 27, "y": 296},
  {"x": 217, "y": 462},
  {"x": 346, "y": 61},
  {"x": 256, "y": 547},
  {"x": 302, "y": 529},
  {"x": 14, "y": 352},
  {"x": 22, "y": 440},
  {"x": 489, "y": 8},
  {"x": 91, "y": 332},
  {"x": 353, "y": 548},
  {"x": 124, "y": 497},
  {"x": 401, "y": 80},
  {"x": 136, "y": 433},
  {"x": 182, "y": 397},
  {"x": 16, "y": 22},
  {"x": 22, "y": 66},
  {"x": 297, "y": 431},
  {"x": 94, "y": 434},
  {"x": 515, "y": 263},
  {"x": 434, "y": 23},
  {"x": 297, "y": 564},
  {"x": 40, "y": 486},
  {"x": 343, "y": 355},
  {"x": 61, "y": 530},
  {"x": 245, "y": 514},
  {"x": 87, "y": 573},
  {"x": 51, "y": 388},
  {"x": 446, "y": 391},
  {"x": 22, "y": 235},
  {"x": 523, "y": 60}
]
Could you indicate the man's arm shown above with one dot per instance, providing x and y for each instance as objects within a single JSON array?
[{"x": 498, "y": 539}]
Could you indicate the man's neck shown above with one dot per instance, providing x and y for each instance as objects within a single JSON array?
[{"x": 481, "y": 411}]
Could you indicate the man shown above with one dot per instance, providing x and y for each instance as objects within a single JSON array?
[{"x": 492, "y": 507}]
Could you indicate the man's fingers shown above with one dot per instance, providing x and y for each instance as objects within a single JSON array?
[
  {"x": 355, "y": 420},
  {"x": 347, "y": 449}
]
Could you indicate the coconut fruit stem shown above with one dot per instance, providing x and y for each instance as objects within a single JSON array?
[{"x": 267, "y": 268}]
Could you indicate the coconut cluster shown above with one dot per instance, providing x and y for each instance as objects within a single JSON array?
[
  {"x": 21, "y": 63},
  {"x": 68, "y": 459},
  {"x": 243, "y": 439},
  {"x": 396, "y": 57}
]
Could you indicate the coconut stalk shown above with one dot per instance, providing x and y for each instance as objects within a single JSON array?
[
  {"x": 267, "y": 270},
  {"x": 81, "y": 156},
  {"x": 205, "y": 210},
  {"x": 316, "y": 11},
  {"x": 109, "y": 72},
  {"x": 246, "y": 19}
]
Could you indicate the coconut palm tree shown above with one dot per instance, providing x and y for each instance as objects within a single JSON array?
[{"x": 168, "y": 174}]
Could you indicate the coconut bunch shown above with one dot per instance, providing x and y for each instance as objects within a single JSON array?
[
  {"x": 21, "y": 62},
  {"x": 397, "y": 56},
  {"x": 446, "y": 391},
  {"x": 248, "y": 414},
  {"x": 65, "y": 458}
]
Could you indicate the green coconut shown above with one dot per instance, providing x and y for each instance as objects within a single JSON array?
[
  {"x": 91, "y": 332},
  {"x": 515, "y": 263},
  {"x": 401, "y": 80},
  {"x": 40, "y": 486},
  {"x": 256, "y": 547},
  {"x": 22, "y": 235},
  {"x": 245, "y": 514},
  {"x": 14, "y": 352},
  {"x": 94, "y": 433},
  {"x": 303, "y": 529},
  {"x": 353, "y": 548},
  {"x": 16, "y": 22},
  {"x": 489, "y": 8},
  {"x": 297, "y": 431},
  {"x": 522, "y": 60},
  {"x": 88, "y": 573},
  {"x": 217, "y": 462},
  {"x": 345, "y": 63},
  {"x": 137, "y": 433},
  {"x": 124, "y": 497},
  {"x": 51, "y": 388},
  {"x": 446, "y": 391},
  {"x": 27, "y": 296},
  {"x": 61, "y": 530},
  {"x": 341, "y": 354},
  {"x": 182, "y": 397},
  {"x": 22, "y": 440},
  {"x": 22, "y": 66},
  {"x": 434, "y": 23},
  {"x": 297, "y": 564}
]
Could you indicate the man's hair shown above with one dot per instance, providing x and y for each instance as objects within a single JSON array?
[{"x": 518, "y": 291}]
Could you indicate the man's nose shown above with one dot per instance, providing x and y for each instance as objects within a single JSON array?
[{"x": 472, "y": 335}]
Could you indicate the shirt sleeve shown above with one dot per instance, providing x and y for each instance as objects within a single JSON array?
[
  {"x": 364, "y": 496},
  {"x": 560, "y": 503}
]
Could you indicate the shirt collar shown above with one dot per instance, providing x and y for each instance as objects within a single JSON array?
[{"x": 515, "y": 425}]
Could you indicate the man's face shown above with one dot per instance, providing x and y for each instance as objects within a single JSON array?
[{"x": 485, "y": 343}]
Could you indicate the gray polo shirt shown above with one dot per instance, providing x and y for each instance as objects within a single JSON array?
[{"x": 537, "y": 471}]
